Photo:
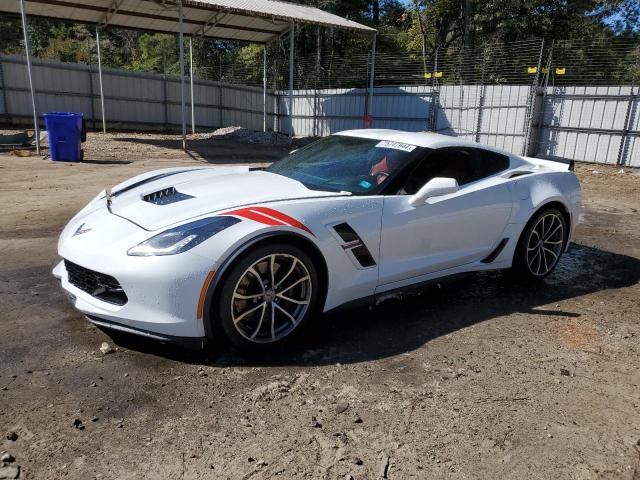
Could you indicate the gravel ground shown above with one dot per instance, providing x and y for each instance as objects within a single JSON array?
[{"x": 482, "y": 378}]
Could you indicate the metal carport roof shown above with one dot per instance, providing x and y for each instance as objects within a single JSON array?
[{"x": 255, "y": 21}]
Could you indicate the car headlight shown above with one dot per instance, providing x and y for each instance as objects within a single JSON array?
[{"x": 182, "y": 238}]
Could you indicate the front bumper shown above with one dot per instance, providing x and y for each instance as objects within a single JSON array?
[
  {"x": 162, "y": 296},
  {"x": 162, "y": 292}
]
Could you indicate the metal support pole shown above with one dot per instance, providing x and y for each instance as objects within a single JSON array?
[
  {"x": 622, "y": 151},
  {"x": 291, "y": 57},
  {"x": 483, "y": 92},
  {"x": 532, "y": 101},
  {"x": 372, "y": 74},
  {"x": 104, "y": 121},
  {"x": 435, "y": 95},
  {"x": 36, "y": 128},
  {"x": 264, "y": 88},
  {"x": 193, "y": 111},
  {"x": 3, "y": 95},
  {"x": 182, "y": 93}
]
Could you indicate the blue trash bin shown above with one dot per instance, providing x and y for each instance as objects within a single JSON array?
[{"x": 66, "y": 134}]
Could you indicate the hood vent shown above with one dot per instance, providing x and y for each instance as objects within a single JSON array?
[{"x": 166, "y": 196}]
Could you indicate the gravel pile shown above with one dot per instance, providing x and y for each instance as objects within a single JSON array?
[
  {"x": 232, "y": 132},
  {"x": 268, "y": 138}
]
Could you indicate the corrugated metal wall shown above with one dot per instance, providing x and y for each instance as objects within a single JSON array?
[
  {"x": 132, "y": 99},
  {"x": 594, "y": 124},
  {"x": 590, "y": 124}
]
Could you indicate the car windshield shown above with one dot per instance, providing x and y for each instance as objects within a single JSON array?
[{"x": 342, "y": 163}]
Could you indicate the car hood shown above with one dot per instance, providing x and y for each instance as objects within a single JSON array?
[{"x": 167, "y": 197}]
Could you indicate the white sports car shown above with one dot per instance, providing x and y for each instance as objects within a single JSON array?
[{"x": 186, "y": 254}]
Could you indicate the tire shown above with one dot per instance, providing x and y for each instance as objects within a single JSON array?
[
  {"x": 535, "y": 259},
  {"x": 256, "y": 315}
]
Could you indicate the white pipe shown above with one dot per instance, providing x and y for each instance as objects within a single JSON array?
[
  {"x": 36, "y": 128},
  {"x": 104, "y": 122},
  {"x": 264, "y": 87},
  {"x": 291, "y": 57},
  {"x": 182, "y": 99},
  {"x": 193, "y": 108}
]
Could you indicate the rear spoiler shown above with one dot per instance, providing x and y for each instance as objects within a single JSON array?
[{"x": 561, "y": 164}]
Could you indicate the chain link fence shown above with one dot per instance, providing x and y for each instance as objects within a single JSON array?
[{"x": 574, "y": 99}]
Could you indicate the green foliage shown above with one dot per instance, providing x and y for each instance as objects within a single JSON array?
[
  {"x": 156, "y": 52},
  {"x": 404, "y": 26}
]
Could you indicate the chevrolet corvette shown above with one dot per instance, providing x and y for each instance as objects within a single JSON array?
[{"x": 187, "y": 255}]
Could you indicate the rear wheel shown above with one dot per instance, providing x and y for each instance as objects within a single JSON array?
[
  {"x": 268, "y": 296},
  {"x": 541, "y": 244}
]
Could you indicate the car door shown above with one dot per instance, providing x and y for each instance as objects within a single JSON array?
[{"x": 450, "y": 230}]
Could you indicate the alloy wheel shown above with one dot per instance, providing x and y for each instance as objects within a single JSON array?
[
  {"x": 271, "y": 298},
  {"x": 544, "y": 246}
]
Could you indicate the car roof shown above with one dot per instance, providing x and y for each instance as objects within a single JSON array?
[{"x": 421, "y": 139}]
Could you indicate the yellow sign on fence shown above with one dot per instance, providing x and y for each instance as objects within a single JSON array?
[
  {"x": 561, "y": 71},
  {"x": 532, "y": 70},
  {"x": 438, "y": 74}
]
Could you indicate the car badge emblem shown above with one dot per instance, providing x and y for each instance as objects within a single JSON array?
[{"x": 81, "y": 230}]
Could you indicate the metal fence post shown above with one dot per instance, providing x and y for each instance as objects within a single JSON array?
[
  {"x": 25, "y": 29},
  {"x": 372, "y": 78},
  {"x": 531, "y": 104},
  {"x": 264, "y": 87},
  {"x": 93, "y": 108},
  {"x": 623, "y": 150},
  {"x": 291, "y": 59},
  {"x": 193, "y": 106},
  {"x": 102, "y": 111},
  {"x": 183, "y": 108},
  {"x": 483, "y": 91},
  {"x": 165, "y": 95},
  {"x": 220, "y": 116},
  {"x": 316, "y": 101},
  {"x": 5, "y": 104},
  {"x": 433, "y": 123}
]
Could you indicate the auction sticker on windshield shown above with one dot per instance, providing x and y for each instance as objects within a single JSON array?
[{"x": 396, "y": 145}]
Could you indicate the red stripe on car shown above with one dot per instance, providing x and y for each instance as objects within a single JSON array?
[{"x": 268, "y": 216}]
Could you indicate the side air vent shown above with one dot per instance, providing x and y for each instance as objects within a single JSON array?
[
  {"x": 363, "y": 256},
  {"x": 346, "y": 233},
  {"x": 354, "y": 244},
  {"x": 165, "y": 196}
]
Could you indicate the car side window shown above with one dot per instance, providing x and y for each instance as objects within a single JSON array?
[{"x": 464, "y": 164}]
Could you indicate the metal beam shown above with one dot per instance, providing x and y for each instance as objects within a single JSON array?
[
  {"x": 102, "y": 112},
  {"x": 25, "y": 29},
  {"x": 113, "y": 9},
  {"x": 182, "y": 93}
]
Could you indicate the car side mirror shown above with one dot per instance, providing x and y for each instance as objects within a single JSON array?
[{"x": 435, "y": 187}]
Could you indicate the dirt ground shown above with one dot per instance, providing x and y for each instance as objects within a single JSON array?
[{"x": 482, "y": 378}]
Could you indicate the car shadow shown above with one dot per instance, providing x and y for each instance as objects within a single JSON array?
[{"x": 399, "y": 326}]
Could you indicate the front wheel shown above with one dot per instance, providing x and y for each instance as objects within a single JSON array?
[
  {"x": 541, "y": 244},
  {"x": 268, "y": 295}
]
